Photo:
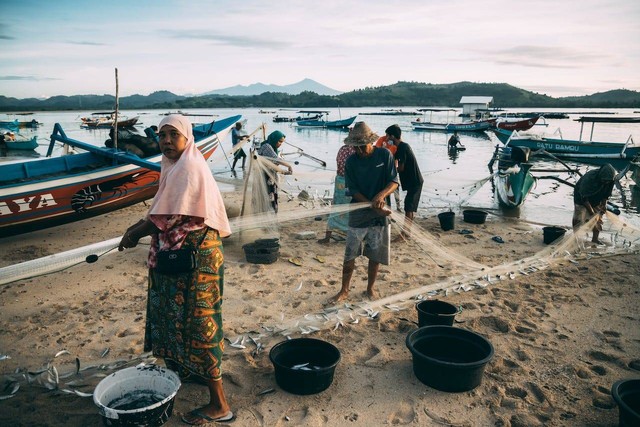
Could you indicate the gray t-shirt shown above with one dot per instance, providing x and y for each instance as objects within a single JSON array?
[{"x": 368, "y": 176}]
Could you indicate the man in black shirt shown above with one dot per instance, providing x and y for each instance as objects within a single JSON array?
[
  {"x": 590, "y": 197},
  {"x": 410, "y": 177},
  {"x": 370, "y": 177}
]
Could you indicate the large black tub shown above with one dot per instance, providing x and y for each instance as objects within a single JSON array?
[
  {"x": 473, "y": 216},
  {"x": 304, "y": 365},
  {"x": 626, "y": 393},
  {"x": 447, "y": 358}
]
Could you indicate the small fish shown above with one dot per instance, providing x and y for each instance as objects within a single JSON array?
[
  {"x": 512, "y": 275},
  {"x": 105, "y": 352},
  {"x": 12, "y": 387},
  {"x": 300, "y": 285},
  {"x": 4, "y": 357},
  {"x": 300, "y": 366},
  {"x": 356, "y": 320},
  {"x": 374, "y": 314},
  {"x": 266, "y": 391},
  {"x": 60, "y": 353}
]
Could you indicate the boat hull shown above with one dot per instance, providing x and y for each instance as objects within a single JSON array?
[
  {"x": 478, "y": 126},
  {"x": 580, "y": 151},
  {"x": 328, "y": 124},
  {"x": 24, "y": 144},
  {"x": 30, "y": 200},
  {"x": 525, "y": 124},
  {"x": 513, "y": 186}
]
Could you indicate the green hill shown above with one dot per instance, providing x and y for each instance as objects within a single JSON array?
[{"x": 396, "y": 95}]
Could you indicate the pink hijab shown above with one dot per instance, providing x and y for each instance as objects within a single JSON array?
[{"x": 187, "y": 186}]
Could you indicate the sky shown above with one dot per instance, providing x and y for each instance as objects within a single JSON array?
[{"x": 553, "y": 47}]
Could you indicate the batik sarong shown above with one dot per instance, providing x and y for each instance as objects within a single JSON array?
[{"x": 184, "y": 311}]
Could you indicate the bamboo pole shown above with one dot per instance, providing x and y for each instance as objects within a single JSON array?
[{"x": 115, "y": 119}]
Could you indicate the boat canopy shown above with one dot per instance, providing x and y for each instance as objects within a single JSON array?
[
  {"x": 608, "y": 119},
  {"x": 436, "y": 109}
]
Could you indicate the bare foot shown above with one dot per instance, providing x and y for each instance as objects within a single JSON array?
[
  {"x": 324, "y": 241},
  {"x": 372, "y": 295},
  {"x": 340, "y": 297}
]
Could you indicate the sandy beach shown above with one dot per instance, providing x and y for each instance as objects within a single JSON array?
[{"x": 562, "y": 334}]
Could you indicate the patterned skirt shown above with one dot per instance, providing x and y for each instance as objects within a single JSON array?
[
  {"x": 184, "y": 312},
  {"x": 339, "y": 221}
]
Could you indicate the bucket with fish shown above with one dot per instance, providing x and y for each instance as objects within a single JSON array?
[
  {"x": 304, "y": 365},
  {"x": 138, "y": 396}
]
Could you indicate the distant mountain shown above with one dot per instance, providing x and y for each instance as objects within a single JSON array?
[
  {"x": 401, "y": 94},
  {"x": 88, "y": 102},
  {"x": 306, "y": 85}
]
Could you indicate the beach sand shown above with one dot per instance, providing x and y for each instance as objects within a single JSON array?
[{"x": 562, "y": 336}]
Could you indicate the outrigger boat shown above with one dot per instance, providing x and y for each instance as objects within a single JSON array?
[
  {"x": 513, "y": 180},
  {"x": 56, "y": 190},
  {"x": 517, "y": 124},
  {"x": 306, "y": 115},
  {"x": 448, "y": 126},
  {"x": 321, "y": 122},
  {"x": 616, "y": 153}
]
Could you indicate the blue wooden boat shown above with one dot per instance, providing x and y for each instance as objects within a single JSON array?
[
  {"x": 513, "y": 180},
  {"x": 43, "y": 193},
  {"x": 616, "y": 153},
  {"x": 333, "y": 124},
  {"x": 18, "y": 142},
  {"x": 449, "y": 126}
]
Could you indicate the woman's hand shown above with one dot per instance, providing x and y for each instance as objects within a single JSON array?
[
  {"x": 289, "y": 170},
  {"x": 128, "y": 241}
]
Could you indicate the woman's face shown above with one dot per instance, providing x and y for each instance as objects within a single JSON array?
[
  {"x": 280, "y": 142},
  {"x": 172, "y": 142}
]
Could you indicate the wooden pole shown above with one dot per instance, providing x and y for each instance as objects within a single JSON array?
[{"x": 115, "y": 120}]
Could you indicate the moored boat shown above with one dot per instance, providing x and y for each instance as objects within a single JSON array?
[
  {"x": 513, "y": 180},
  {"x": 616, "y": 153},
  {"x": 321, "y": 123},
  {"x": 449, "y": 126},
  {"x": 56, "y": 190},
  {"x": 12, "y": 141},
  {"x": 516, "y": 124}
]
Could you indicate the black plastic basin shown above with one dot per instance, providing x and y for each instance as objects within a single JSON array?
[
  {"x": 447, "y": 358},
  {"x": 474, "y": 216},
  {"x": 436, "y": 312},
  {"x": 304, "y": 365},
  {"x": 626, "y": 393}
]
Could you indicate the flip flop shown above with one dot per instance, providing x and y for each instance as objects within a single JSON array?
[
  {"x": 203, "y": 418},
  {"x": 337, "y": 238},
  {"x": 320, "y": 259},
  {"x": 497, "y": 239},
  {"x": 296, "y": 261}
]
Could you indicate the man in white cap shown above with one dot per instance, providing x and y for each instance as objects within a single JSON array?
[{"x": 370, "y": 176}]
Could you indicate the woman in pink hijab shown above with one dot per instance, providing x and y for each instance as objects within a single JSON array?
[{"x": 184, "y": 309}]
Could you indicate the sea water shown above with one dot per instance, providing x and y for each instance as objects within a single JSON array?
[{"x": 449, "y": 179}]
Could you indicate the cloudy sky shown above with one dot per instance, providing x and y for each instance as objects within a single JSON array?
[{"x": 555, "y": 47}]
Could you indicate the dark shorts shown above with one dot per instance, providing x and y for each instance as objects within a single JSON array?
[
  {"x": 412, "y": 199},
  {"x": 239, "y": 154}
]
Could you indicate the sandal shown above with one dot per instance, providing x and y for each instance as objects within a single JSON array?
[{"x": 198, "y": 418}]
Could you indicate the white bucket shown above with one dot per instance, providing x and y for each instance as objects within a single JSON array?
[{"x": 157, "y": 385}]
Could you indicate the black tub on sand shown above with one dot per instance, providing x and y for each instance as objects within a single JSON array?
[
  {"x": 304, "y": 365},
  {"x": 436, "y": 312},
  {"x": 626, "y": 393},
  {"x": 447, "y": 220},
  {"x": 447, "y": 358},
  {"x": 474, "y": 216},
  {"x": 551, "y": 234}
]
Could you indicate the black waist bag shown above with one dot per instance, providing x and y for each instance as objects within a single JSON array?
[{"x": 178, "y": 261}]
